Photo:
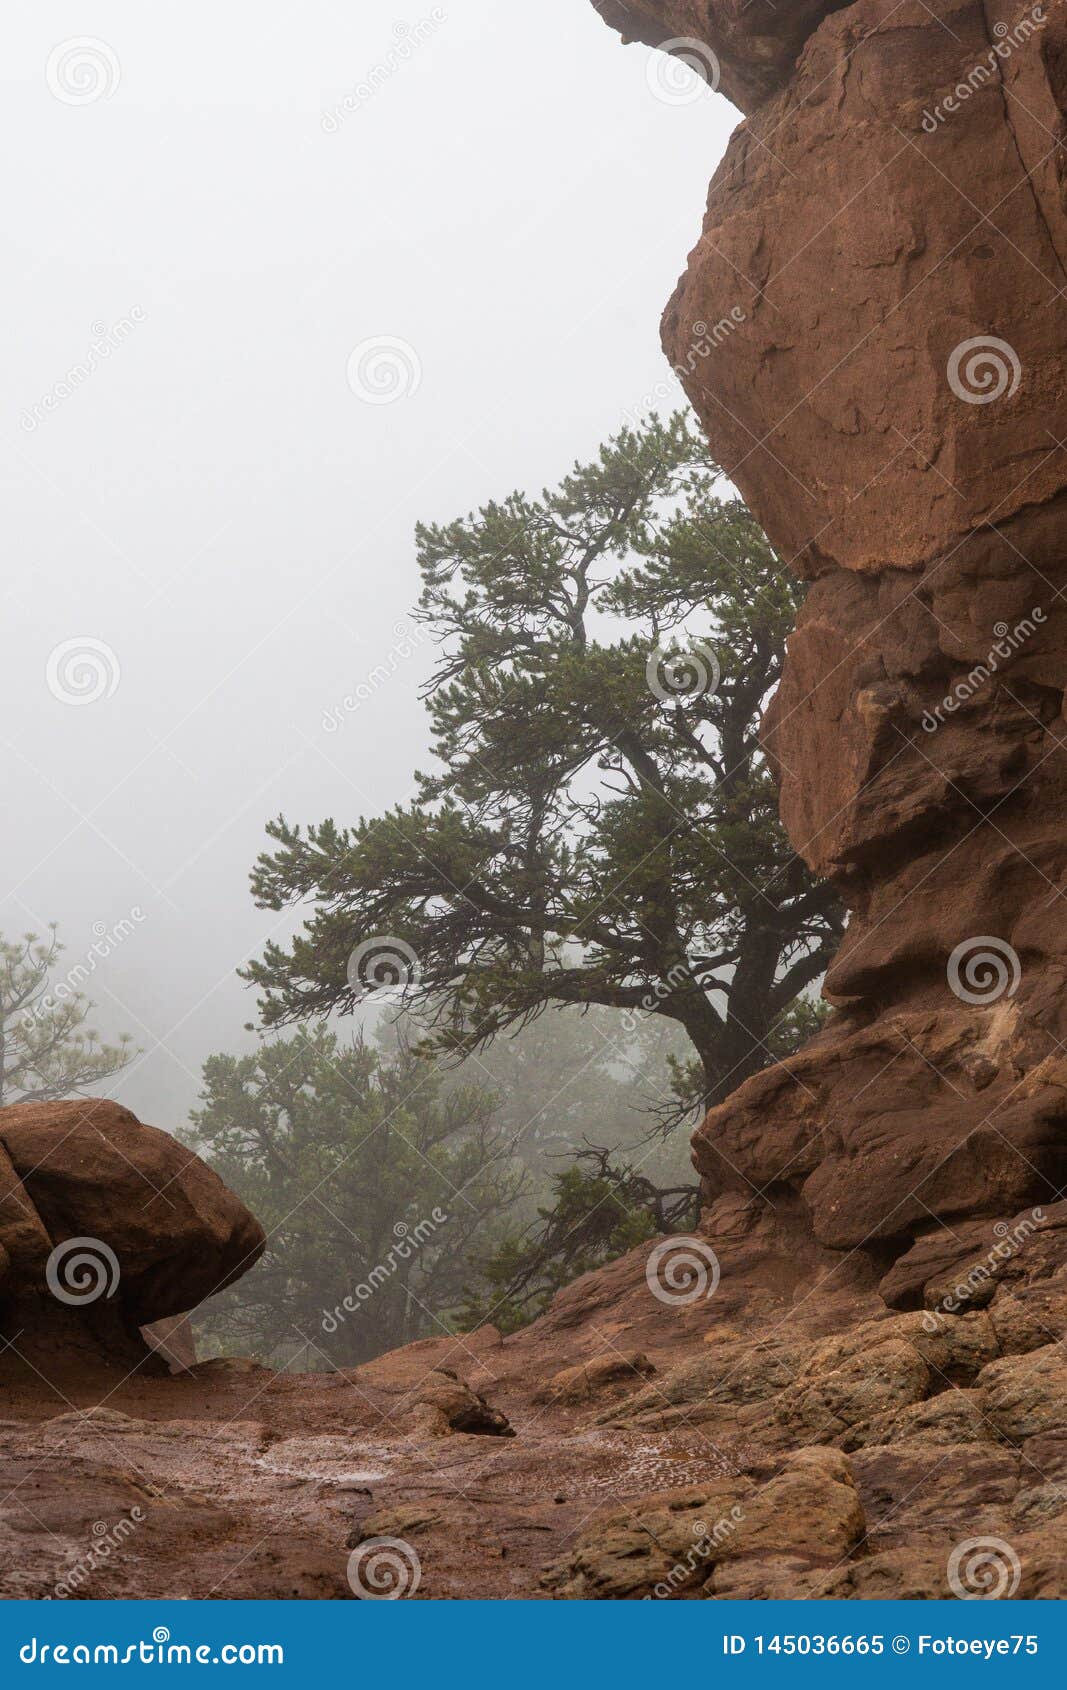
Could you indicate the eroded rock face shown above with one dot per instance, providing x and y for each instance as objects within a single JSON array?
[
  {"x": 726, "y": 1539},
  {"x": 753, "y": 44},
  {"x": 107, "y": 1225},
  {"x": 886, "y": 241}
]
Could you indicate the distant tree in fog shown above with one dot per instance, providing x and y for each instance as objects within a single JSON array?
[
  {"x": 348, "y": 1152},
  {"x": 600, "y": 826},
  {"x": 569, "y": 1076},
  {"x": 47, "y": 1048},
  {"x": 371, "y": 1181}
]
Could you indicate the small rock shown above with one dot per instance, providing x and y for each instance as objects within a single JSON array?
[
  {"x": 588, "y": 1379},
  {"x": 443, "y": 1404}
]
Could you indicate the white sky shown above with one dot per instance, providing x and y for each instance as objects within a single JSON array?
[{"x": 213, "y": 502}]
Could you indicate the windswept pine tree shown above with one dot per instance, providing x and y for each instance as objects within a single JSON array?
[{"x": 600, "y": 824}]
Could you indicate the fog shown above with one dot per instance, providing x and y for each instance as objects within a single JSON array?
[{"x": 210, "y": 512}]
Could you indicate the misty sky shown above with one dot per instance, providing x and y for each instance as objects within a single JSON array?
[{"x": 208, "y": 209}]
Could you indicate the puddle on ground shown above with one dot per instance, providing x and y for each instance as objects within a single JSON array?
[{"x": 327, "y": 1460}]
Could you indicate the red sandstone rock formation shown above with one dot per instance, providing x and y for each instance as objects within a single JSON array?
[
  {"x": 106, "y": 1225},
  {"x": 754, "y": 42},
  {"x": 888, "y": 230}
]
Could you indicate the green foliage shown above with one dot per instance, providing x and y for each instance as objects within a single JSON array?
[
  {"x": 601, "y": 1207},
  {"x": 47, "y": 1048},
  {"x": 371, "y": 1181},
  {"x": 599, "y": 826}
]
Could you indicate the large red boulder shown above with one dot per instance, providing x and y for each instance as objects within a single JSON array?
[{"x": 95, "y": 1205}]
